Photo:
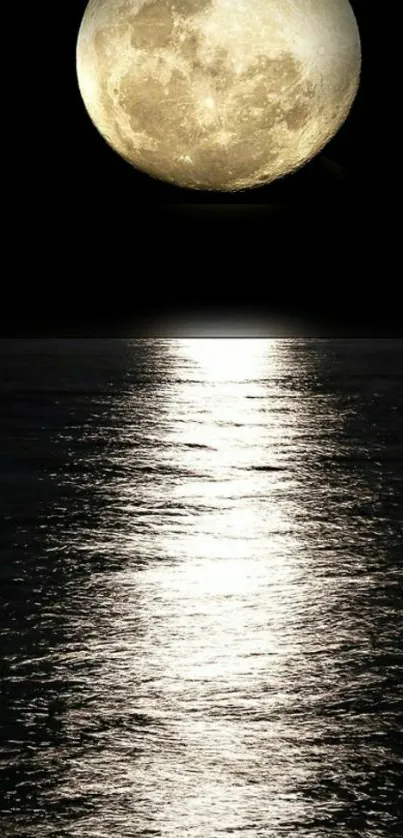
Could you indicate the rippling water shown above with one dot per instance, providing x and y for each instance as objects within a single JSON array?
[{"x": 201, "y": 588}]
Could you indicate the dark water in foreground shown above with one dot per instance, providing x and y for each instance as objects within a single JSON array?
[{"x": 201, "y": 588}]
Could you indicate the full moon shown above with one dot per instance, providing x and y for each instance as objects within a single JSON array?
[{"x": 218, "y": 94}]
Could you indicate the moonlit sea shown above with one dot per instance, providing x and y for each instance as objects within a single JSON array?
[{"x": 201, "y": 588}]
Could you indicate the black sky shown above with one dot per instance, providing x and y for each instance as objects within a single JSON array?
[{"x": 109, "y": 250}]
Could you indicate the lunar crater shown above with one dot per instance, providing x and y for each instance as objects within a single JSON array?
[{"x": 210, "y": 95}]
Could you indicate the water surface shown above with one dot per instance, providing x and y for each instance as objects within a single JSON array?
[{"x": 201, "y": 588}]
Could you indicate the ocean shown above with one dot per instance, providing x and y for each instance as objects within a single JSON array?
[{"x": 201, "y": 588}]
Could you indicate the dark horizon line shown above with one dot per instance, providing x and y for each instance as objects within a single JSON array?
[{"x": 350, "y": 335}]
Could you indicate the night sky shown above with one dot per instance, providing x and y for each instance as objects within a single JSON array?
[{"x": 112, "y": 251}]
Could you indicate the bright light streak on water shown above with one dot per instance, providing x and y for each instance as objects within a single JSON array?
[{"x": 201, "y": 580}]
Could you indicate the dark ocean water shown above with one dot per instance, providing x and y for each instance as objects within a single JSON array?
[{"x": 201, "y": 588}]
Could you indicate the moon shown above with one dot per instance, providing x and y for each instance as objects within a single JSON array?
[{"x": 218, "y": 94}]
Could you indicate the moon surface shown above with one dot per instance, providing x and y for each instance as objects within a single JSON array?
[{"x": 218, "y": 94}]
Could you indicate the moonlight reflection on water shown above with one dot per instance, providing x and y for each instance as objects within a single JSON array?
[{"x": 208, "y": 637}]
